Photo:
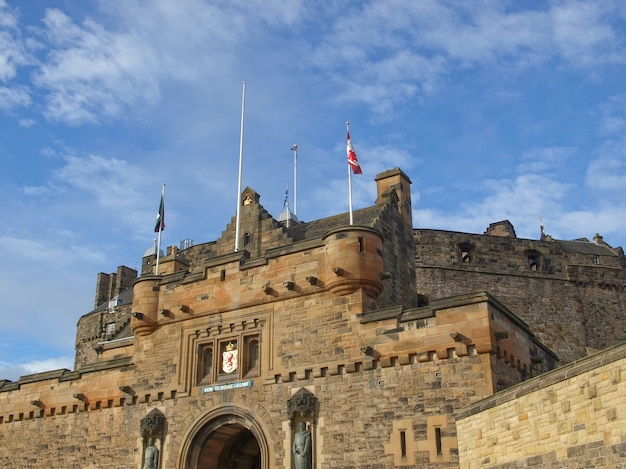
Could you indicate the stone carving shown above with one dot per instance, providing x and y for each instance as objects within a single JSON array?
[
  {"x": 151, "y": 456},
  {"x": 304, "y": 402},
  {"x": 301, "y": 448},
  {"x": 153, "y": 423}
]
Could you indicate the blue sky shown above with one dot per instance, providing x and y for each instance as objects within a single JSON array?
[{"x": 495, "y": 109}]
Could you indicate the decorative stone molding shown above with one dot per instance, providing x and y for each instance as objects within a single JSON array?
[
  {"x": 304, "y": 402},
  {"x": 153, "y": 423}
]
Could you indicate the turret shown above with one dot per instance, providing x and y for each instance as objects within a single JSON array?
[
  {"x": 354, "y": 260},
  {"x": 145, "y": 304}
]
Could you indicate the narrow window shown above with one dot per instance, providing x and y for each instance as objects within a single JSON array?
[
  {"x": 246, "y": 239},
  {"x": 438, "y": 440},
  {"x": 205, "y": 364},
  {"x": 403, "y": 443},
  {"x": 466, "y": 252},
  {"x": 596, "y": 260},
  {"x": 361, "y": 245},
  {"x": 534, "y": 259},
  {"x": 252, "y": 355},
  {"x": 222, "y": 275}
]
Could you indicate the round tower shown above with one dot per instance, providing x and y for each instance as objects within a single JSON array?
[
  {"x": 145, "y": 305},
  {"x": 354, "y": 260}
]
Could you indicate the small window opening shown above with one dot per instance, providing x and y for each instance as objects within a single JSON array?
[
  {"x": 222, "y": 275},
  {"x": 466, "y": 251},
  {"x": 361, "y": 245},
  {"x": 403, "y": 443},
  {"x": 533, "y": 262},
  {"x": 205, "y": 368},
  {"x": 246, "y": 239},
  {"x": 253, "y": 355},
  {"x": 438, "y": 440},
  {"x": 596, "y": 260}
]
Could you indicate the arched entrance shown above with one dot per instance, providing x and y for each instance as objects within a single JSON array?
[{"x": 226, "y": 441}]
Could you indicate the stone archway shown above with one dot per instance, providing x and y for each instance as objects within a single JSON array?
[{"x": 225, "y": 441}]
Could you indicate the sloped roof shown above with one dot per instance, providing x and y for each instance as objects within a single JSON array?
[
  {"x": 317, "y": 228},
  {"x": 586, "y": 247}
]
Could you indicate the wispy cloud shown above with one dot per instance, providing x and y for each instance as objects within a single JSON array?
[{"x": 13, "y": 371}]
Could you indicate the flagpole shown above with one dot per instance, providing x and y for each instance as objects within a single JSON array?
[
  {"x": 295, "y": 192},
  {"x": 243, "y": 106},
  {"x": 349, "y": 181},
  {"x": 161, "y": 213}
]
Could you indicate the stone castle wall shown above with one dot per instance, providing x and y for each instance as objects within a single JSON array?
[
  {"x": 573, "y": 299},
  {"x": 361, "y": 415},
  {"x": 570, "y": 417},
  {"x": 392, "y": 407},
  {"x": 325, "y": 307}
]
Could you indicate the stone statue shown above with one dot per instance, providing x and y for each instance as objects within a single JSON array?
[
  {"x": 151, "y": 456},
  {"x": 302, "y": 448}
]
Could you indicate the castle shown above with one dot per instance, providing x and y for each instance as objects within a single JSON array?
[{"x": 331, "y": 344}]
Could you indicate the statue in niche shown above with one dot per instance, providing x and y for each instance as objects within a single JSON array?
[
  {"x": 302, "y": 448},
  {"x": 151, "y": 456}
]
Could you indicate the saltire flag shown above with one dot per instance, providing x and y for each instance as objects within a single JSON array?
[
  {"x": 286, "y": 197},
  {"x": 352, "y": 159},
  {"x": 160, "y": 218}
]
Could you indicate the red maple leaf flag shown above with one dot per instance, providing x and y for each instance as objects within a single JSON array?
[{"x": 352, "y": 159}]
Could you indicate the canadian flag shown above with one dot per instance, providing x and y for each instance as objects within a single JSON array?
[{"x": 352, "y": 159}]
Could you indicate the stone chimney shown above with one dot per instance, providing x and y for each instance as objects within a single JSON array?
[
  {"x": 395, "y": 179},
  {"x": 503, "y": 229}
]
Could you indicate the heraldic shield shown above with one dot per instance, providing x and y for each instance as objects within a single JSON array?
[{"x": 229, "y": 359}]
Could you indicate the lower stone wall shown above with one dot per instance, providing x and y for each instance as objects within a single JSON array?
[
  {"x": 364, "y": 419},
  {"x": 571, "y": 417}
]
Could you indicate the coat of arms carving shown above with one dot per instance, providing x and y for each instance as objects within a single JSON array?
[{"x": 229, "y": 358}]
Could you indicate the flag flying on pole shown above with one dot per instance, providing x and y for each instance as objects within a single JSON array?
[
  {"x": 160, "y": 218},
  {"x": 286, "y": 197},
  {"x": 352, "y": 159}
]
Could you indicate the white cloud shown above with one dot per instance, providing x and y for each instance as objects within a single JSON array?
[
  {"x": 523, "y": 201},
  {"x": 93, "y": 74},
  {"x": 13, "y": 371},
  {"x": 119, "y": 66},
  {"x": 14, "y": 97},
  {"x": 398, "y": 50},
  {"x": 47, "y": 254},
  {"x": 542, "y": 160},
  {"x": 613, "y": 115},
  {"x": 12, "y": 50},
  {"x": 117, "y": 186},
  {"x": 584, "y": 35},
  {"x": 606, "y": 173},
  {"x": 26, "y": 123}
]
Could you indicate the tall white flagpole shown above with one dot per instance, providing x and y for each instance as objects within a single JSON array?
[
  {"x": 161, "y": 215},
  {"x": 349, "y": 178},
  {"x": 243, "y": 107},
  {"x": 295, "y": 192}
]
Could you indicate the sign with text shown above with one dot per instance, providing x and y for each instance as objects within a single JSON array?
[{"x": 226, "y": 387}]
